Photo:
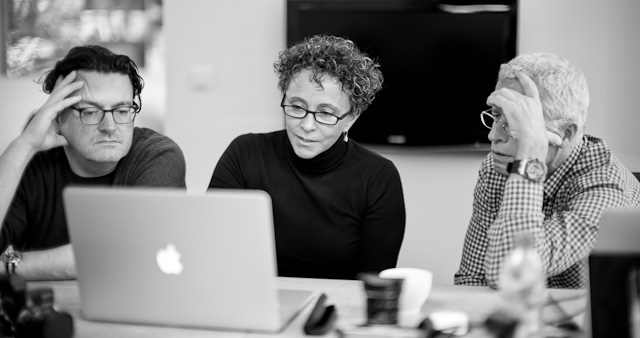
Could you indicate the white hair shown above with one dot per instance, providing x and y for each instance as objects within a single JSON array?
[{"x": 563, "y": 88}]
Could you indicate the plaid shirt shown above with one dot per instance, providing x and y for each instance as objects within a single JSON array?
[{"x": 562, "y": 213}]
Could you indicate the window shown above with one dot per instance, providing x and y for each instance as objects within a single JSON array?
[{"x": 40, "y": 32}]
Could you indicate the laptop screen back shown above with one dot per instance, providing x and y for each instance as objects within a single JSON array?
[{"x": 167, "y": 257}]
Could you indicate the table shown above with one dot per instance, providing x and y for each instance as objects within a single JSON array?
[{"x": 346, "y": 295}]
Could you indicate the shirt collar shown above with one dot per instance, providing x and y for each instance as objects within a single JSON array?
[{"x": 552, "y": 184}]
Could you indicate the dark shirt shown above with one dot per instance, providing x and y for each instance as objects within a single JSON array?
[
  {"x": 335, "y": 215},
  {"x": 36, "y": 219}
]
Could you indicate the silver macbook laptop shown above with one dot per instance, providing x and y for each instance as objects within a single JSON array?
[{"x": 168, "y": 257}]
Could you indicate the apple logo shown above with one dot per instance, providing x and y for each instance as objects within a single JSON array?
[{"x": 168, "y": 260}]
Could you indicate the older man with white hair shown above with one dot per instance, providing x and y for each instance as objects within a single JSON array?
[{"x": 544, "y": 175}]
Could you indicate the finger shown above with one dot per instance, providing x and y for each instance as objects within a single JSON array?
[
  {"x": 554, "y": 139},
  {"x": 496, "y": 99},
  {"x": 54, "y": 110},
  {"x": 58, "y": 80},
  {"x": 68, "y": 102},
  {"x": 64, "y": 91},
  {"x": 529, "y": 87},
  {"x": 70, "y": 77},
  {"x": 510, "y": 94},
  {"x": 63, "y": 81}
]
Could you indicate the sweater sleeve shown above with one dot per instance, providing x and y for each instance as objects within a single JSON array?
[
  {"x": 228, "y": 172},
  {"x": 383, "y": 224}
]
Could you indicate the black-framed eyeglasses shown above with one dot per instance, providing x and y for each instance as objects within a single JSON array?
[
  {"x": 488, "y": 119},
  {"x": 95, "y": 115},
  {"x": 320, "y": 117}
]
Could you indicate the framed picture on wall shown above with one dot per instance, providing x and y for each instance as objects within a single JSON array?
[{"x": 37, "y": 33}]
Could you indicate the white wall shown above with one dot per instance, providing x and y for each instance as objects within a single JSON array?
[
  {"x": 18, "y": 98},
  {"x": 220, "y": 83},
  {"x": 220, "y": 80}
]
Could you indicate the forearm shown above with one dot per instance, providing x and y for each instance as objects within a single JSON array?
[
  {"x": 52, "y": 264},
  {"x": 39, "y": 135},
  {"x": 381, "y": 252},
  {"x": 471, "y": 271},
  {"x": 520, "y": 211},
  {"x": 564, "y": 234},
  {"x": 12, "y": 165},
  {"x": 383, "y": 226}
]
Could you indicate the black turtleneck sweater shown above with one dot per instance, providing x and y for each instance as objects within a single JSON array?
[{"x": 335, "y": 215}]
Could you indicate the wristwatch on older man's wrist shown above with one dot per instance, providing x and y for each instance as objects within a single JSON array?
[
  {"x": 531, "y": 169},
  {"x": 11, "y": 259}
]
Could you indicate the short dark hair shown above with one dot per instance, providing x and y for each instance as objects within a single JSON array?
[
  {"x": 340, "y": 58},
  {"x": 95, "y": 58}
]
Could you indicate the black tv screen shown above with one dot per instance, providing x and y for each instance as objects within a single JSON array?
[{"x": 440, "y": 60}]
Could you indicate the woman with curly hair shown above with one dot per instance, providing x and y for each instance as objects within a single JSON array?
[{"x": 338, "y": 207}]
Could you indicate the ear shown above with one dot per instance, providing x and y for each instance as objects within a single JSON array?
[
  {"x": 570, "y": 134},
  {"x": 56, "y": 124},
  {"x": 349, "y": 124}
]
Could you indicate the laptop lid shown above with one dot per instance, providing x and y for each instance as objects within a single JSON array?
[
  {"x": 169, "y": 257},
  {"x": 614, "y": 281}
]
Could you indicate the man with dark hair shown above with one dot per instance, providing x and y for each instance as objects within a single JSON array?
[{"x": 83, "y": 135}]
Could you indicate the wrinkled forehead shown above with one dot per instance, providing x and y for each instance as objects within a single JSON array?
[{"x": 104, "y": 86}]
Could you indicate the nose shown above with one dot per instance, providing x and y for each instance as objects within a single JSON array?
[
  {"x": 497, "y": 133},
  {"x": 108, "y": 123},
  {"x": 308, "y": 122}
]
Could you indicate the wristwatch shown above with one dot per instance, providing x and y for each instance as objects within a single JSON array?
[
  {"x": 531, "y": 169},
  {"x": 11, "y": 259}
]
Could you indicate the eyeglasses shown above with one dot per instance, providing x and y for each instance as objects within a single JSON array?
[
  {"x": 488, "y": 119},
  {"x": 321, "y": 117},
  {"x": 95, "y": 115}
]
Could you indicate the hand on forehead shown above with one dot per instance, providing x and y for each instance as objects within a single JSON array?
[
  {"x": 519, "y": 100},
  {"x": 106, "y": 89}
]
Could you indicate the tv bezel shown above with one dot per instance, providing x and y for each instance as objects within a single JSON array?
[{"x": 293, "y": 35}]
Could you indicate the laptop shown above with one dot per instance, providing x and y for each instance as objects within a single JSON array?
[
  {"x": 172, "y": 258},
  {"x": 614, "y": 277}
]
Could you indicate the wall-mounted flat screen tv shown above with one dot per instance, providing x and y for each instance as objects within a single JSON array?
[{"x": 440, "y": 60}]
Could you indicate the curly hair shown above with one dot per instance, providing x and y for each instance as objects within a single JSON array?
[
  {"x": 340, "y": 58},
  {"x": 95, "y": 58}
]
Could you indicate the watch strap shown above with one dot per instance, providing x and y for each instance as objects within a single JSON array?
[{"x": 517, "y": 167}]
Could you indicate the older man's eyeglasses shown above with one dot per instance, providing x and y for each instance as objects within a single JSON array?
[
  {"x": 488, "y": 119},
  {"x": 321, "y": 117},
  {"x": 95, "y": 115}
]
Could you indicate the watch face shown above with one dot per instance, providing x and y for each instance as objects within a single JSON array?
[
  {"x": 536, "y": 170},
  {"x": 11, "y": 257}
]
